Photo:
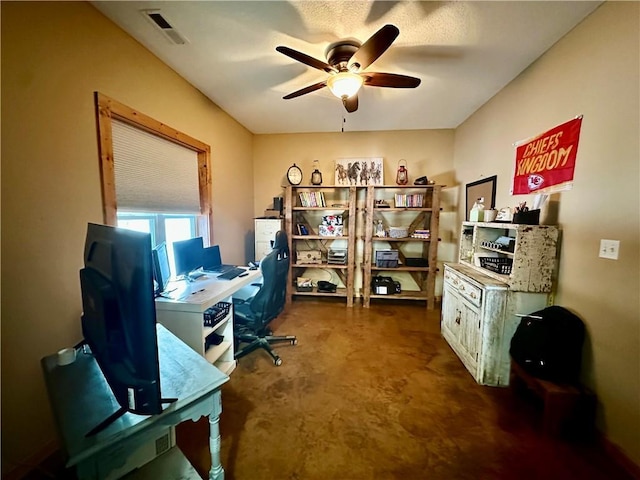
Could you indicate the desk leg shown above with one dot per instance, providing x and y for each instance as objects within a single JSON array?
[{"x": 216, "y": 472}]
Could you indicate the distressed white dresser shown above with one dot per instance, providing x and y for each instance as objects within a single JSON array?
[{"x": 504, "y": 270}]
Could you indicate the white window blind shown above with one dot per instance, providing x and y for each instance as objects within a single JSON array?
[{"x": 153, "y": 174}]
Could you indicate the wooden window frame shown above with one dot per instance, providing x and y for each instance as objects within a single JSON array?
[{"x": 108, "y": 109}]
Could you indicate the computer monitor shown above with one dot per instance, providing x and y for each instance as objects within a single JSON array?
[
  {"x": 187, "y": 255},
  {"x": 211, "y": 258},
  {"x": 119, "y": 317},
  {"x": 161, "y": 268}
]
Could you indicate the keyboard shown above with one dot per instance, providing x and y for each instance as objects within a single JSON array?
[
  {"x": 231, "y": 274},
  {"x": 219, "y": 269}
]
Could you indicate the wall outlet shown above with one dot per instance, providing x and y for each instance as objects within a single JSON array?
[{"x": 609, "y": 249}]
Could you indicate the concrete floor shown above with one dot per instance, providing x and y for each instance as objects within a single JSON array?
[{"x": 378, "y": 394}]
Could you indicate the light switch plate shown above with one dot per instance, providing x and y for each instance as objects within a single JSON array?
[{"x": 609, "y": 249}]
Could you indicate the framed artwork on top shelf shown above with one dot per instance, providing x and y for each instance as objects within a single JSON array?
[
  {"x": 359, "y": 171},
  {"x": 484, "y": 188}
]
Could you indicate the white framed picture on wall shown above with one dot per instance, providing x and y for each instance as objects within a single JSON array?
[{"x": 359, "y": 171}]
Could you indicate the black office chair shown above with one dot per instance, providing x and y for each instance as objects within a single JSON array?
[{"x": 251, "y": 317}]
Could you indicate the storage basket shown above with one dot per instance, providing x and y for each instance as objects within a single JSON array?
[
  {"x": 398, "y": 232},
  {"x": 499, "y": 265}
]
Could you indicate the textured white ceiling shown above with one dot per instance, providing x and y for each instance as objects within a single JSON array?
[{"x": 464, "y": 53}]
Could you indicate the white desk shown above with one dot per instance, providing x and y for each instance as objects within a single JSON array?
[
  {"x": 81, "y": 398},
  {"x": 183, "y": 313}
]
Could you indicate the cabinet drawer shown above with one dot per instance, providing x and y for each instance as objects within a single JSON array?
[
  {"x": 464, "y": 288},
  {"x": 263, "y": 249},
  {"x": 265, "y": 230}
]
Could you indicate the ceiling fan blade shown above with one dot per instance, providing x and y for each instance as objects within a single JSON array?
[
  {"x": 306, "y": 59},
  {"x": 392, "y": 80},
  {"x": 373, "y": 48},
  {"x": 305, "y": 90},
  {"x": 351, "y": 103}
]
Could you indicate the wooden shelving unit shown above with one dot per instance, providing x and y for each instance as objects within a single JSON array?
[
  {"x": 424, "y": 217},
  {"x": 340, "y": 200}
]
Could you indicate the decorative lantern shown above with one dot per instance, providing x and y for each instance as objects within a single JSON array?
[
  {"x": 402, "y": 178},
  {"x": 316, "y": 176}
]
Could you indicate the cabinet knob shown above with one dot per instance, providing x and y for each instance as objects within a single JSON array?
[{"x": 458, "y": 317}]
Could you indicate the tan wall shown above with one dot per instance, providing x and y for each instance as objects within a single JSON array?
[
  {"x": 427, "y": 152},
  {"x": 54, "y": 56},
  {"x": 593, "y": 71}
]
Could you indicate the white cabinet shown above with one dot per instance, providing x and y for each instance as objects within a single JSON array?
[
  {"x": 265, "y": 233},
  {"x": 481, "y": 299},
  {"x": 473, "y": 321}
]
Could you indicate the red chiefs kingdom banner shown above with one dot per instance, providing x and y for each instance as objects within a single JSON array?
[{"x": 545, "y": 164}]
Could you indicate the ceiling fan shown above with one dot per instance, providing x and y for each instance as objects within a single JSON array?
[{"x": 346, "y": 60}]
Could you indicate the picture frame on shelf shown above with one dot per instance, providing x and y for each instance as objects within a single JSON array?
[
  {"x": 359, "y": 171},
  {"x": 484, "y": 188}
]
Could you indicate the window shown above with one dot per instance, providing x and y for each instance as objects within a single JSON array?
[
  {"x": 167, "y": 216},
  {"x": 167, "y": 228}
]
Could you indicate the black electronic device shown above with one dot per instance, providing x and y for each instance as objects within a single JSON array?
[
  {"x": 188, "y": 255},
  {"x": 416, "y": 262},
  {"x": 161, "y": 268},
  {"x": 326, "y": 287},
  {"x": 119, "y": 317},
  {"x": 212, "y": 260},
  {"x": 381, "y": 285},
  {"x": 231, "y": 273}
]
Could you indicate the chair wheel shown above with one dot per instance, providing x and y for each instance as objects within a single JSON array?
[
  {"x": 294, "y": 341},
  {"x": 278, "y": 361}
]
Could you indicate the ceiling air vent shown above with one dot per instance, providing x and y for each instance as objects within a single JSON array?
[{"x": 161, "y": 23}]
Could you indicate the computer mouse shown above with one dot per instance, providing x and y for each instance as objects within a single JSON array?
[{"x": 253, "y": 267}]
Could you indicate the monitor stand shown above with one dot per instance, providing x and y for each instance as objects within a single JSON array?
[{"x": 113, "y": 417}]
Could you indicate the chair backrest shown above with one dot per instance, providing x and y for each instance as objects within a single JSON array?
[{"x": 270, "y": 299}]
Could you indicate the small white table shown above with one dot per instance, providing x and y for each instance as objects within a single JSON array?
[
  {"x": 182, "y": 314},
  {"x": 81, "y": 398}
]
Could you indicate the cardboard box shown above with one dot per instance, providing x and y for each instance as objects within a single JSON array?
[{"x": 309, "y": 257}]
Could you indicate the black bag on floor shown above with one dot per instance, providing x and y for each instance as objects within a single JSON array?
[{"x": 548, "y": 344}]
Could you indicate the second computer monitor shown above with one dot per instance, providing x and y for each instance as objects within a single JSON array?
[
  {"x": 161, "y": 269},
  {"x": 188, "y": 255}
]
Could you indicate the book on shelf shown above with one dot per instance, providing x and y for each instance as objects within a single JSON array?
[
  {"x": 409, "y": 200},
  {"x": 312, "y": 199},
  {"x": 302, "y": 229},
  {"x": 426, "y": 234}
]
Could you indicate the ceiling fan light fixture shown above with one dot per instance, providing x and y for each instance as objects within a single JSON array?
[{"x": 344, "y": 84}]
